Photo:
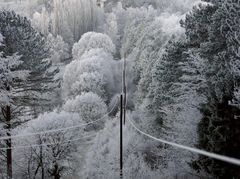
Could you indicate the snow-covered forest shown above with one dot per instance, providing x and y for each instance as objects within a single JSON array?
[{"x": 65, "y": 63}]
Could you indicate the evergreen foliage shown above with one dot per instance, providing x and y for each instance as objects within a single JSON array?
[
  {"x": 21, "y": 38},
  {"x": 210, "y": 29}
]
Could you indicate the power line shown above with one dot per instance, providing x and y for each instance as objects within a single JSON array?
[
  {"x": 194, "y": 150},
  {"x": 59, "y": 129},
  {"x": 46, "y": 144}
]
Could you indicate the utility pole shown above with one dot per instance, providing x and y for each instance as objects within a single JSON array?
[
  {"x": 123, "y": 99},
  {"x": 124, "y": 90},
  {"x": 121, "y": 136}
]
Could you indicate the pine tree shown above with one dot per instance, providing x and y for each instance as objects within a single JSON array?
[
  {"x": 8, "y": 76},
  {"x": 22, "y": 92}
]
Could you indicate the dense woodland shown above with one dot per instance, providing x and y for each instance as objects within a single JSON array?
[{"x": 61, "y": 66}]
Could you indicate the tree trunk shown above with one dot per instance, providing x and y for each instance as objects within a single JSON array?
[
  {"x": 41, "y": 160},
  {"x": 56, "y": 174},
  {"x": 9, "y": 143}
]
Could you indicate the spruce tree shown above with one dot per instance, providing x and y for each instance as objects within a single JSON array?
[
  {"x": 209, "y": 30},
  {"x": 165, "y": 88}
]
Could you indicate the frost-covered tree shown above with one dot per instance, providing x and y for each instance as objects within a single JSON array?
[
  {"x": 23, "y": 76},
  {"x": 231, "y": 20},
  {"x": 92, "y": 68},
  {"x": 150, "y": 48},
  {"x": 91, "y": 40},
  {"x": 88, "y": 75},
  {"x": 210, "y": 29},
  {"x": 111, "y": 27},
  {"x": 163, "y": 5},
  {"x": 138, "y": 20},
  {"x": 165, "y": 86},
  {"x": 174, "y": 94},
  {"x": 133, "y": 41},
  {"x": 21, "y": 38},
  {"x": 90, "y": 107},
  {"x": 87, "y": 82},
  {"x": 59, "y": 56},
  {"x": 121, "y": 18},
  {"x": 140, "y": 160},
  {"x": 58, "y": 49},
  {"x": 146, "y": 46},
  {"x": 41, "y": 21},
  {"x": 69, "y": 19},
  {"x": 55, "y": 155},
  {"x": 9, "y": 76},
  {"x": 75, "y": 17},
  {"x": 2, "y": 158},
  {"x": 145, "y": 36}
]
